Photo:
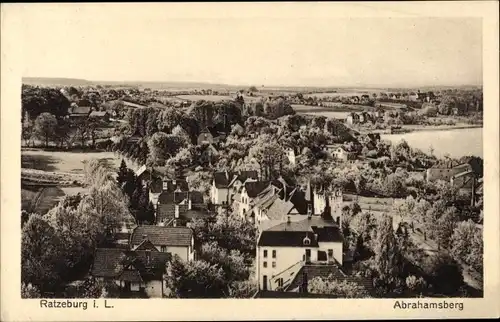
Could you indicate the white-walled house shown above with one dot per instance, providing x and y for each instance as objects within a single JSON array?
[
  {"x": 175, "y": 240},
  {"x": 223, "y": 183},
  {"x": 283, "y": 249},
  {"x": 139, "y": 271},
  {"x": 249, "y": 191}
]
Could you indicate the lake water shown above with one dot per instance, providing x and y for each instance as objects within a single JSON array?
[{"x": 457, "y": 143}]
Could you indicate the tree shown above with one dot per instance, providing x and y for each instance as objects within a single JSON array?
[
  {"x": 445, "y": 274},
  {"x": 40, "y": 255},
  {"x": 445, "y": 227},
  {"x": 232, "y": 262},
  {"x": 467, "y": 244},
  {"x": 122, "y": 173},
  {"x": 29, "y": 291},
  {"x": 45, "y": 126},
  {"x": 331, "y": 285},
  {"x": 195, "y": 279},
  {"x": 163, "y": 146},
  {"x": 268, "y": 154},
  {"x": 242, "y": 289},
  {"x": 182, "y": 134},
  {"x": 416, "y": 285},
  {"x": 387, "y": 253}
]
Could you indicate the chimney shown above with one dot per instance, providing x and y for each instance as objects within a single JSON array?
[
  {"x": 144, "y": 236},
  {"x": 176, "y": 214},
  {"x": 190, "y": 206}
]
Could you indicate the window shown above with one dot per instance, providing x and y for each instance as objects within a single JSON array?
[
  {"x": 274, "y": 264},
  {"x": 265, "y": 253},
  {"x": 163, "y": 249},
  {"x": 330, "y": 254},
  {"x": 264, "y": 282},
  {"x": 280, "y": 282},
  {"x": 274, "y": 253},
  {"x": 265, "y": 264}
]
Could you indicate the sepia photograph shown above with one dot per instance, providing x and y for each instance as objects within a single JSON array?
[{"x": 221, "y": 156}]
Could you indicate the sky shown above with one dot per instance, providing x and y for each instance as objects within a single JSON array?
[{"x": 164, "y": 43}]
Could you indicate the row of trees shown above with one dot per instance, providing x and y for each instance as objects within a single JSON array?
[{"x": 48, "y": 128}]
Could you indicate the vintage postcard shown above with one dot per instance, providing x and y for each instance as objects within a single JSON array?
[{"x": 228, "y": 161}]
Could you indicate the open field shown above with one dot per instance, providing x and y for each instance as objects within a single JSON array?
[
  {"x": 212, "y": 98},
  {"x": 62, "y": 161}
]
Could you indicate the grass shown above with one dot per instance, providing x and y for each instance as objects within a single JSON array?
[{"x": 67, "y": 162}]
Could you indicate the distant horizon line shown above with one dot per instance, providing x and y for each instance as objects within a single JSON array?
[{"x": 134, "y": 82}]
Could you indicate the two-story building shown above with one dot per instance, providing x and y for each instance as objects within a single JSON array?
[
  {"x": 290, "y": 245},
  {"x": 225, "y": 181},
  {"x": 175, "y": 240}
]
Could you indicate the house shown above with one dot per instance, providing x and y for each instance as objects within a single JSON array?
[
  {"x": 79, "y": 112},
  {"x": 225, "y": 181},
  {"x": 135, "y": 272},
  {"x": 205, "y": 137},
  {"x": 100, "y": 115},
  {"x": 157, "y": 185},
  {"x": 289, "y": 245},
  {"x": 352, "y": 118},
  {"x": 219, "y": 193},
  {"x": 445, "y": 171},
  {"x": 299, "y": 282},
  {"x": 342, "y": 155},
  {"x": 413, "y": 96},
  {"x": 171, "y": 204},
  {"x": 249, "y": 191},
  {"x": 467, "y": 184},
  {"x": 291, "y": 155},
  {"x": 175, "y": 240}
]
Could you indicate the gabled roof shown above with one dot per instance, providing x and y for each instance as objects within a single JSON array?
[
  {"x": 311, "y": 271},
  {"x": 98, "y": 113},
  {"x": 222, "y": 179},
  {"x": 146, "y": 244},
  {"x": 298, "y": 198},
  {"x": 253, "y": 188},
  {"x": 464, "y": 173},
  {"x": 84, "y": 110},
  {"x": 129, "y": 265},
  {"x": 279, "y": 209},
  {"x": 162, "y": 236}
]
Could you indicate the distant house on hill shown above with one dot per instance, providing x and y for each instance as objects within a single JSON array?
[
  {"x": 205, "y": 137},
  {"x": 79, "y": 112},
  {"x": 100, "y": 115},
  {"x": 352, "y": 118},
  {"x": 446, "y": 170}
]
